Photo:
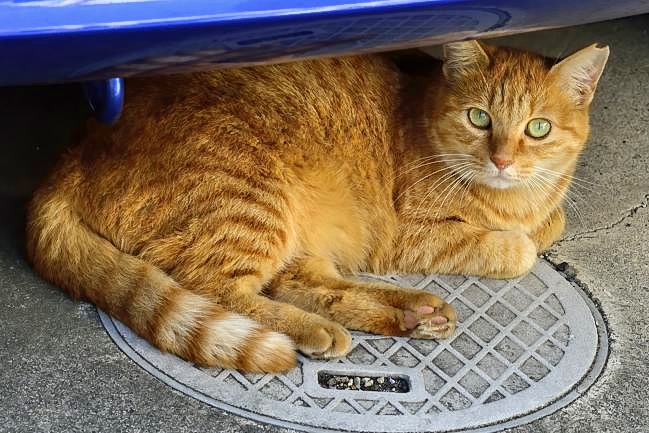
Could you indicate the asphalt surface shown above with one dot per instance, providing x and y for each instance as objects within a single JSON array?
[{"x": 60, "y": 372}]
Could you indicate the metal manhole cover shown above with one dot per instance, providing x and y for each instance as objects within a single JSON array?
[{"x": 523, "y": 349}]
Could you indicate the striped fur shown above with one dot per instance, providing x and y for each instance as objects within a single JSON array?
[
  {"x": 145, "y": 298},
  {"x": 219, "y": 217}
]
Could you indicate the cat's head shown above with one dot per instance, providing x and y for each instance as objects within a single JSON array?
[{"x": 510, "y": 118}]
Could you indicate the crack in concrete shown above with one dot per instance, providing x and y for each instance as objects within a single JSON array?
[{"x": 630, "y": 213}]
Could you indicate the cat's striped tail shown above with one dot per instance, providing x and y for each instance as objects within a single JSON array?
[{"x": 69, "y": 254}]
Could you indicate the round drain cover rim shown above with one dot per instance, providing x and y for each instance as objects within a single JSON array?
[{"x": 494, "y": 416}]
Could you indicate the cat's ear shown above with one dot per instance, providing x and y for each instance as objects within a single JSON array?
[
  {"x": 462, "y": 58},
  {"x": 579, "y": 73}
]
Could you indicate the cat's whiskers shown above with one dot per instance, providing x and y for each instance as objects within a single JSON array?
[
  {"x": 531, "y": 185},
  {"x": 552, "y": 187},
  {"x": 431, "y": 190},
  {"x": 577, "y": 196},
  {"x": 468, "y": 184},
  {"x": 578, "y": 200},
  {"x": 444, "y": 176},
  {"x": 449, "y": 188},
  {"x": 572, "y": 178},
  {"x": 435, "y": 156},
  {"x": 420, "y": 159},
  {"x": 538, "y": 189},
  {"x": 452, "y": 185},
  {"x": 430, "y": 161},
  {"x": 551, "y": 184},
  {"x": 448, "y": 195},
  {"x": 451, "y": 168},
  {"x": 575, "y": 183},
  {"x": 572, "y": 194}
]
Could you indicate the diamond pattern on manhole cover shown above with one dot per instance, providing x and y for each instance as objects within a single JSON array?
[{"x": 522, "y": 345}]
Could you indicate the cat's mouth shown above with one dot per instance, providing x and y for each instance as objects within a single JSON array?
[{"x": 499, "y": 180}]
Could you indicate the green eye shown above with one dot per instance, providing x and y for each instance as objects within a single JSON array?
[
  {"x": 538, "y": 128},
  {"x": 479, "y": 118}
]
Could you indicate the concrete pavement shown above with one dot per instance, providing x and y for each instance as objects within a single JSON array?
[{"x": 60, "y": 372}]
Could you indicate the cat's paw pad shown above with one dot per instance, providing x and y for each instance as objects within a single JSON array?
[
  {"x": 329, "y": 340},
  {"x": 429, "y": 322}
]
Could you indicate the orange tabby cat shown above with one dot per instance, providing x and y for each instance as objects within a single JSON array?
[{"x": 219, "y": 217}]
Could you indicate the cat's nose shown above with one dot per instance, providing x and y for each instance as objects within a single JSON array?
[{"x": 501, "y": 162}]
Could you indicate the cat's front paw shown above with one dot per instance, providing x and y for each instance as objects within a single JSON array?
[
  {"x": 432, "y": 323},
  {"x": 508, "y": 254}
]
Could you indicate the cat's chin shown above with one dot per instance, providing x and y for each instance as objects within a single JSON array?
[{"x": 498, "y": 182}]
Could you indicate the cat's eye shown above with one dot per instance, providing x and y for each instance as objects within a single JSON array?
[
  {"x": 479, "y": 118},
  {"x": 538, "y": 128}
]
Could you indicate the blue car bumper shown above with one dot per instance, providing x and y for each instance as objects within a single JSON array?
[
  {"x": 99, "y": 41},
  {"x": 67, "y": 40}
]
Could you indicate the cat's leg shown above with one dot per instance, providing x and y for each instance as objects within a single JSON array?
[
  {"x": 314, "y": 335},
  {"x": 378, "y": 308},
  {"x": 455, "y": 247},
  {"x": 550, "y": 230},
  {"x": 233, "y": 272}
]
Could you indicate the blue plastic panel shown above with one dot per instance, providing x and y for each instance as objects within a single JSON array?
[{"x": 68, "y": 40}]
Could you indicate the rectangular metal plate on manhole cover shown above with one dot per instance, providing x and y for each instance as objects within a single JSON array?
[{"x": 521, "y": 349}]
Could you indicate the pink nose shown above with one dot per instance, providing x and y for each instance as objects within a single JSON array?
[{"x": 501, "y": 163}]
